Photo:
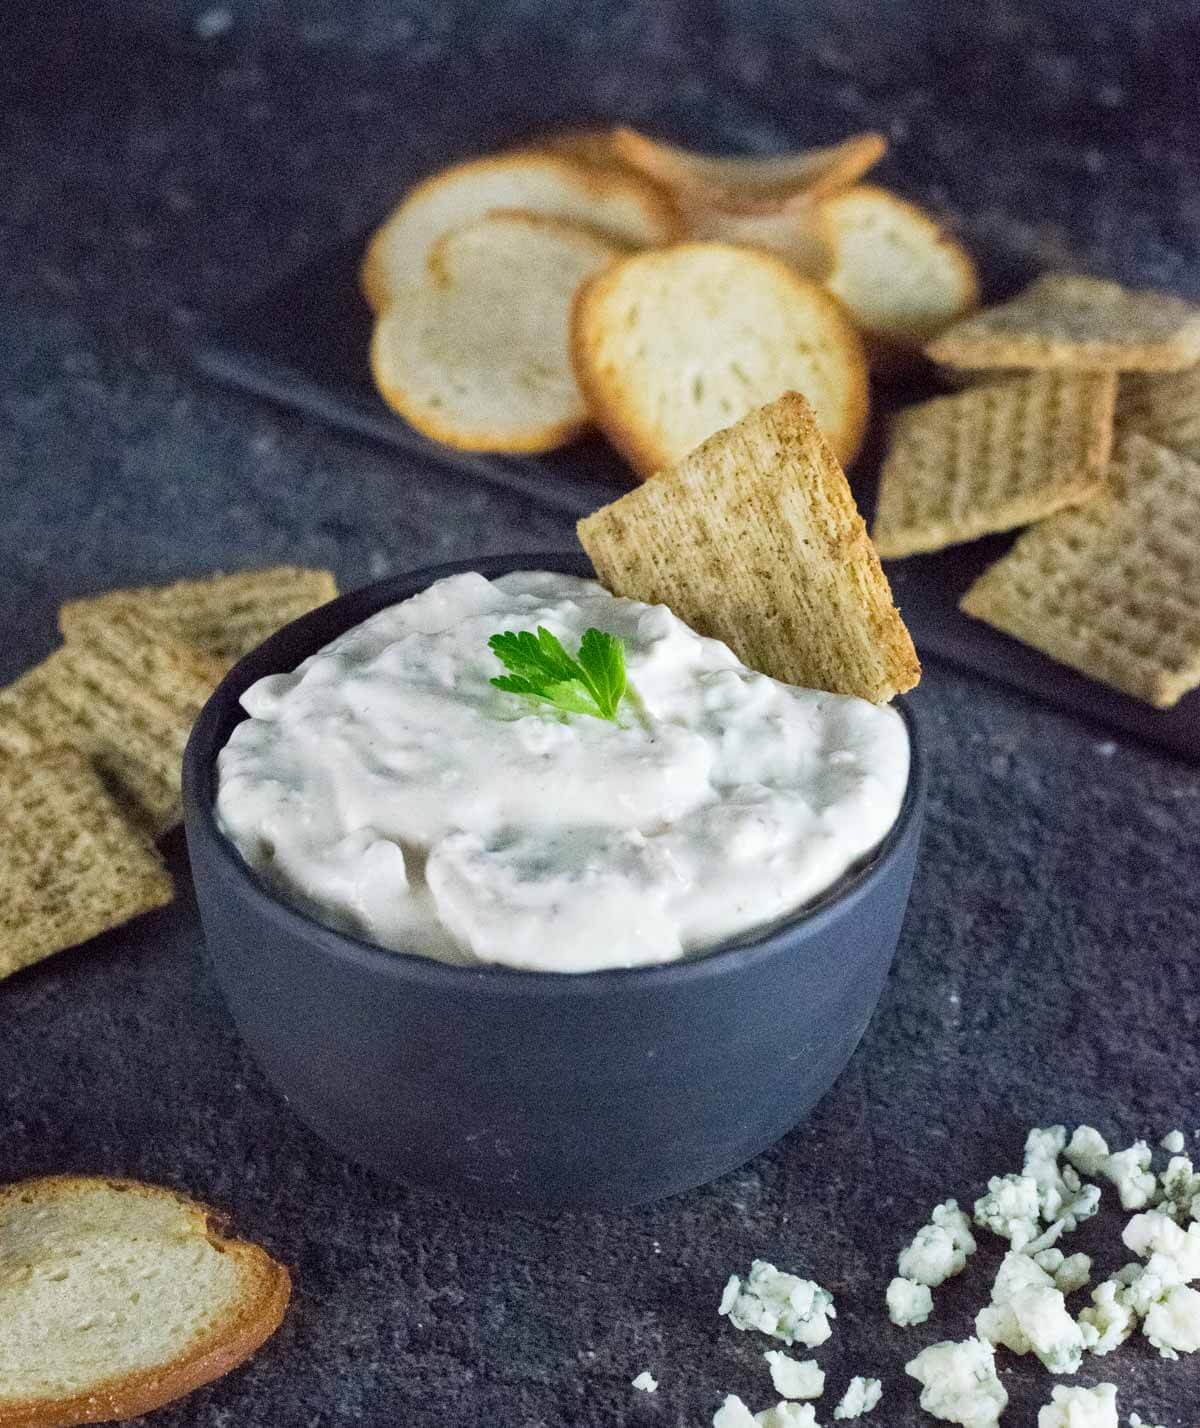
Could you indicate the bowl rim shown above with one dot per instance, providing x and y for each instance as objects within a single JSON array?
[{"x": 209, "y": 734}]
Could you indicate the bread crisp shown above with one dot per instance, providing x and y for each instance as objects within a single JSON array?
[
  {"x": 1111, "y": 588},
  {"x": 621, "y": 208},
  {"x": 71, "y": 864},
  {"x": 118, "y": 1297},
  {"x": 901, "y": 277},
  {"x": 993, "y": 457},
  {"x": 1165, "y": 406},
  {"x": 749, "y": 183},
  {"x": 754, "y": 539},
  {"x": 124, "y": 693},
  {"x": 675, "y": 343},
  {"x": 1064, "y": 320},
  {"x": 225, "y": 616},
  {"x": 477, "y": 357}
]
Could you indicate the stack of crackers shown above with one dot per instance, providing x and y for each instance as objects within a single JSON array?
[
  {"x": 607, "y": 278},
  {"x": 91, "y": 741},
  {"x": 1081, "y": 420}
]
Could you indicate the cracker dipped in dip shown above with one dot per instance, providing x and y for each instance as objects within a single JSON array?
[{"x": 391, "y": 790}]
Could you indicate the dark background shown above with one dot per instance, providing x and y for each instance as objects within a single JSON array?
[{"x": 159, "y": 162}]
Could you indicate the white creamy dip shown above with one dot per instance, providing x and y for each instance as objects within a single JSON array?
[{"x": 389, "y": 789}]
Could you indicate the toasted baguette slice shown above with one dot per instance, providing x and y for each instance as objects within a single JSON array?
[
  {"x": 476, "y": 357},
  {"x": 750, "y": 183},
  {"x": 796, "y": 231},
  {"x": 621, "y": 207},
  {"x": 118, "y": 1297},
  {"x": 673, "y": 344},
  {"x": 754, "y": 539},
  {"x": 900, "y": 277}
]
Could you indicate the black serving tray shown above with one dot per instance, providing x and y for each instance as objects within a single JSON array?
[{"x": 303, "y": 344}]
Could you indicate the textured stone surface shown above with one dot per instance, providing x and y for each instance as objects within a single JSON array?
[{"x": 156, "y": 163}]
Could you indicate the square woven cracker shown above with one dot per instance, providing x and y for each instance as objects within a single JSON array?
[
  {"x": 71, "y": 865},
  {"x": 754, "y": 538},
  {"x": 1165, "y": 406},
  {"x": 993, "y": 457},
  {"x": 122, "y": 692},
  {"x": 1112, "y": 588},
  {"x": 225, "y": 616},
  {"x": 1062, "y": 320}
]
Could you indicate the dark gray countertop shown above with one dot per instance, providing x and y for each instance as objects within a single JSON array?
[{"x": 159, "y": 160}]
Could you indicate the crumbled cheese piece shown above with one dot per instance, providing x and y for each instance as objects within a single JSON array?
[
  {"x": 861, "y": 1396},
  {"x": 1129, "y": 1170},
  {"x": 1042, "y": 1149},
  {"x": 794, "y": 1310},
  {"x": 1029, "y": 1314},
  {"x": 1179, "y": 1194},
  {"x": 1173, "y": 1142},
  {"x": 1087, "y": 1151},
  {"x": 646, "y": 1382},
  {"x": 908, "y": 1303},
  {"x": 1080, "y": 1407},
  {"x": 939, "y": 1249},
  {"x": 1010, "y": 1209},
  {"x": 1145, "y": 1284},
  {"x": 733, "y": 1413},
  {"x": 788, "y": 1415},
  {"x": 1110, "y": 1316},
  {"x": 959, "y": 1383},
  {"x": 1173, "y": 1324},
  {"x": 795, "y": 1378},
  {"x": 1135, "y": 1421},
  {"x": 1153, "y": 1232},
  {"x": 1070, "y": 1272}
]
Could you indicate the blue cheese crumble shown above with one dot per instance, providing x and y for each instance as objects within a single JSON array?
[
  {"x": 862, "y": 1395},
  {"x": 788, "y": 1308},
  {"x": 959, "y": 1383},
  {"x": 908, "y": 1303},
  {"x": 1028, "y": 1314},
  {"x": 795, "y": 1378},
  {"x": 940, "y": 1249},
  {"x": 733, "y": 1413},
  {"x": 1080, "y": 1407}
]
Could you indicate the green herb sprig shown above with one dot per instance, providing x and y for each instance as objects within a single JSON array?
[{"x": 540, "y": 668}]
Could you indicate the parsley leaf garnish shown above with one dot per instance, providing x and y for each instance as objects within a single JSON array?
[{"x": 539, "y": 668}]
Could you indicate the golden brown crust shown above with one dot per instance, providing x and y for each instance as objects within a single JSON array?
[
  {"x": 133, "y": 1394},
  {"x": 604, "y": 391}
]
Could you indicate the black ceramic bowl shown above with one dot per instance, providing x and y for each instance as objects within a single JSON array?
[{"x": 536, "y": 1089}]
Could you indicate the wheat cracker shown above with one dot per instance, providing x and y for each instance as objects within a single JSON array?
[
  {"x": 123, "y": 692},
  {"x": 225, "y": 616},
  {"x": 1068, "y": 320},
  {"x": 71, "y": 864},
  {"x": 993, "y": 457},
  {"x": 1113, "y": 587},
  {"x": 1165, "y": 406},
  {"x": 754, "y": 539}
]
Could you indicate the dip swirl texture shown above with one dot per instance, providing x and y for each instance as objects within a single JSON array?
[{"x": 387, "y": 788}]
